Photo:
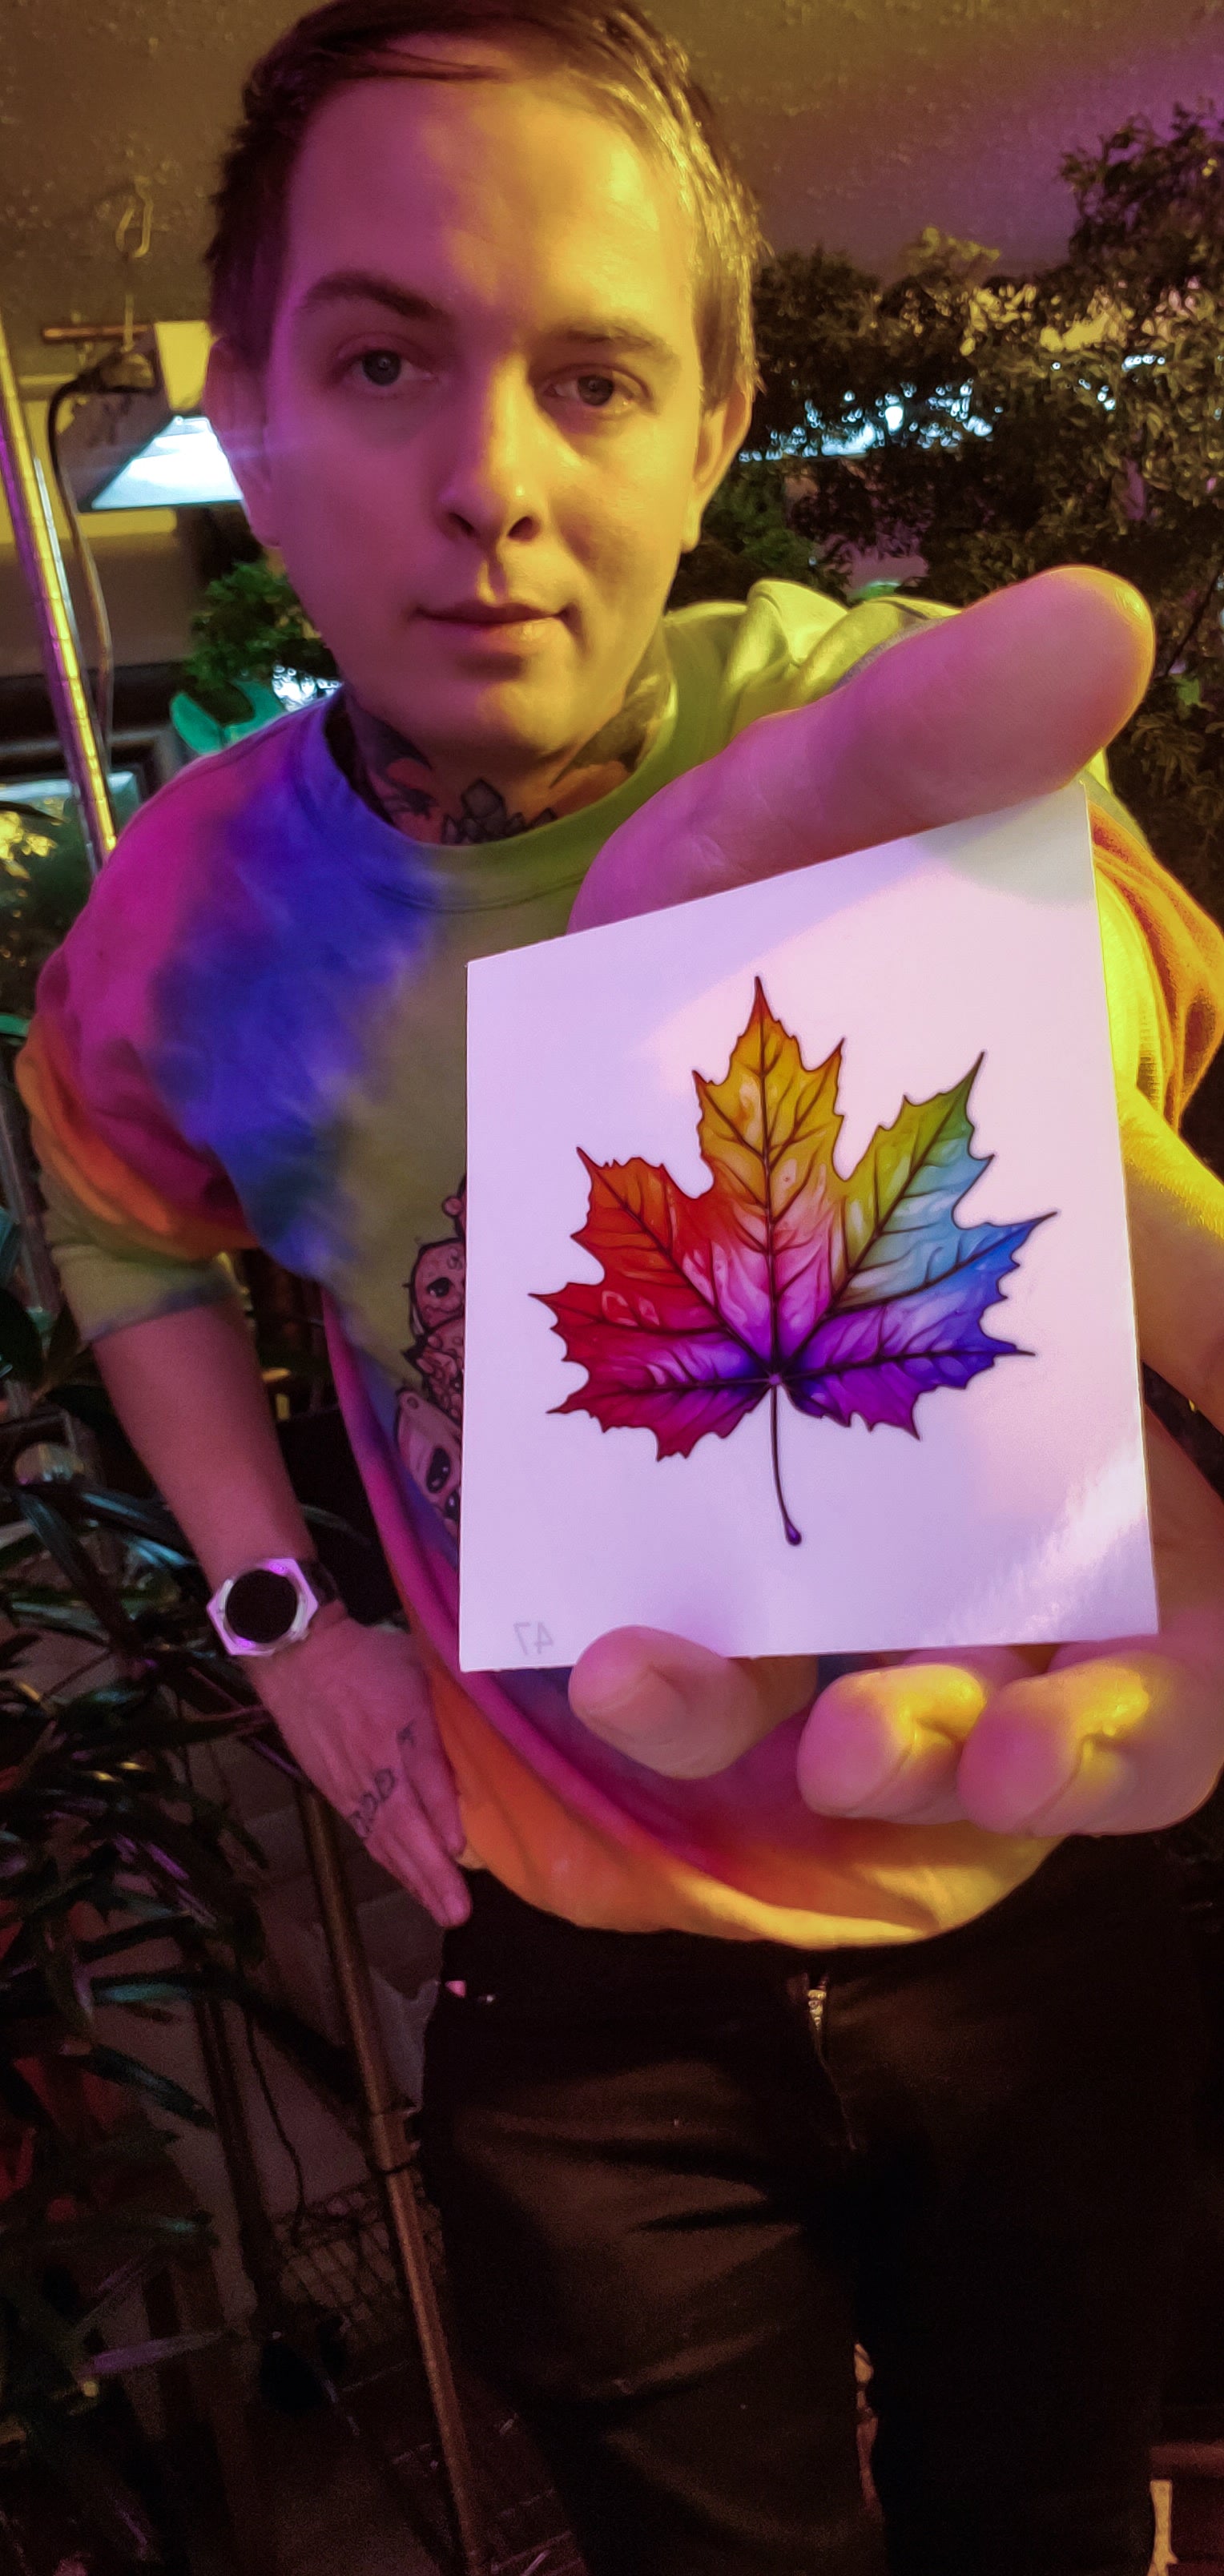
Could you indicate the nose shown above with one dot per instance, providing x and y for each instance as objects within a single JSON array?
[{"x": 491, "y": 485}]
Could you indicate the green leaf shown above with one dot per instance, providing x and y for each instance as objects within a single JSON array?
[
  {"x": 18, "y": 1547},
  {"x": 10, "y": 1246},
  {"x": 145, "y": 1986},
  {"x": 122, "y": 2069},
  {"x": 105, "y": 2230},
  {"x": 50, "y": 1523},
  {"x": 67, "y": 1984},
  {"x": 35, "y": 1605},
  {"x": 20, "y": 1348},
  {"x": 127, "y": 1513}
]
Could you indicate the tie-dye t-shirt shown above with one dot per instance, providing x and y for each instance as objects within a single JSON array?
[{"x": 255, "y": 1035}]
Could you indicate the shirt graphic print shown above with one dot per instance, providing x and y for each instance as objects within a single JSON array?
[{"x": 429, "y": 1414}]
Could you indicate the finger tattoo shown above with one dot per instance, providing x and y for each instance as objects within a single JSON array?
[{"x": 361, "y": 1817}]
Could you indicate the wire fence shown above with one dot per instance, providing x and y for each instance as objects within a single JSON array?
[{"x": 338, "y": 2263}]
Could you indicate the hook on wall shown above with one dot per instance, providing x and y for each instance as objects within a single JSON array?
[
  {"x": 133, "y": 234},
  {"x": 138, "y": 211}
]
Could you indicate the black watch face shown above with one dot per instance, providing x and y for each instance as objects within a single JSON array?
[{"x": 262, "y": 1606}]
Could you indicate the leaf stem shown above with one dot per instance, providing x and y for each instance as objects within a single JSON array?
[{"x": 794, "y": 1537}]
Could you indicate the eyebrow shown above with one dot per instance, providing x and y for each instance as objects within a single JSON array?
[{"x": 367, "y": 286}]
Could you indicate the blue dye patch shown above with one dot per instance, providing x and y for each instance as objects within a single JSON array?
[{"x": 318, "y": 909}]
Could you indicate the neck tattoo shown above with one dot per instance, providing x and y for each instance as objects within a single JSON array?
[{"x": 399, "y": 780}]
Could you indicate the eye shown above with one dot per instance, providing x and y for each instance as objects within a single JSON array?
[
  {"x": 595, "y": 392},
  {"x": 381, "y": 367},
  {"x": 437, "y": 1473}
]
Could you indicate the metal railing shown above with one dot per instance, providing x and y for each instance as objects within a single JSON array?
[{"x": 42, "y": 565}]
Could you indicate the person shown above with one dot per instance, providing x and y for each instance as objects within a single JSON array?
[{"x": 770, "y": 2014}]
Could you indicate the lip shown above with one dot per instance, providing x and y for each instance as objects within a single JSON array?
[{"x": 479, "y": 613}]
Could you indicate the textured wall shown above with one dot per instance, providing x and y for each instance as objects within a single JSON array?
[{"x": 859, "y": 120}]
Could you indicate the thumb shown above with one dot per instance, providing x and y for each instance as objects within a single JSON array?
[
  {"x": 678, "y": 1708},
  {"x": 968, "y": 714}
]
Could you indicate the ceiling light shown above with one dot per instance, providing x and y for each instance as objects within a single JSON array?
[{"x": 181, "y": 464}]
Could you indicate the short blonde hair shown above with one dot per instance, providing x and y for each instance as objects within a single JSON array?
[{"x": 641, "y": 75}]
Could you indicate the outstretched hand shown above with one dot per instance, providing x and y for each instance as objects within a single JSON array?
[
  {"x": 1009, "y": 700},
  {"x": 1116, "y": 1738},
  {"x": 966, "y": 715},
  {"x": 1006, "y": 702}
]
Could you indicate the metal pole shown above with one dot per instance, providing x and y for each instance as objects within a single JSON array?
[
  {"x": 385, "y": 2115},
  {"x": 42, "y": 564},
  {"x": 261, "y": 2257}
]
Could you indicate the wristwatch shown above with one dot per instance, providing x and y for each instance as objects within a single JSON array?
[{"x": 270, "y": 1605}]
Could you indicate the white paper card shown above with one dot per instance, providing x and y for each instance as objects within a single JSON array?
[{"x": 768, "y": 1290}]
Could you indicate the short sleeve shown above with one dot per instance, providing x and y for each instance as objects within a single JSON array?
[
  {"x": 140, "y": 1218},
  {"x": 1164, "y": 965},
  {"x": 110, "y": 1284}
]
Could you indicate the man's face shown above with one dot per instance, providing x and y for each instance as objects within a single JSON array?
[{"x": 483, "y": 395}]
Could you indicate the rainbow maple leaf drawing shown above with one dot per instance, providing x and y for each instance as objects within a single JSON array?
[{"x": 850, "y": 1296}]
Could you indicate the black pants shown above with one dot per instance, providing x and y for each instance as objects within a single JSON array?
[{"x": 679, "y": 2176}]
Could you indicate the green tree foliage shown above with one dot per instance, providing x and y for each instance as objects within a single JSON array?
[
  {"x": 994, "y": 426},
  {"x": 250, "y": 625},
  {"x": 44, "y": 879},
  {"x": 746, "y": 536}
]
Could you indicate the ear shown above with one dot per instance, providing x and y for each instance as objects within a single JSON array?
[
  {"x": 235, "y": 405},
  {"x": 720, "y": 438}
]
